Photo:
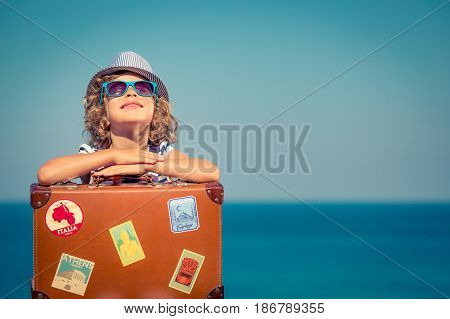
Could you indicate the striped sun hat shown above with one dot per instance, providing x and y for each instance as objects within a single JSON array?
[{"x": 130, "y": 61}]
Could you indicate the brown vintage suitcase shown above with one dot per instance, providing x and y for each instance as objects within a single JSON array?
[{"x": 127, "y": 240}]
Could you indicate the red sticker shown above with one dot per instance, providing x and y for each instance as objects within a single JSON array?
[
  {"x": 187, "y": 271},
  {"x": 64, "y": 218}
]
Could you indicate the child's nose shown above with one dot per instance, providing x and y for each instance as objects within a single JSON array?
[{"x": 130, "y": 91}]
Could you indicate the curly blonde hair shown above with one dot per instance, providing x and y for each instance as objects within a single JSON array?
[{"x": 162, "y": 128}]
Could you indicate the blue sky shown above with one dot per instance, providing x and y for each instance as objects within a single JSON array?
[{"x": 379, "y": 132}]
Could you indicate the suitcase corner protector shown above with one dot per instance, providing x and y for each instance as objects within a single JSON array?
[
  {"x": 216, "y": 293},
  {"x": 39, "y": 195},
  {"x": 35, "y": 294},
  {"x": 215, "y": 192}
]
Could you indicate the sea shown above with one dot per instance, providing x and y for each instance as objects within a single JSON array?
[{"x": 290, "y": 250}]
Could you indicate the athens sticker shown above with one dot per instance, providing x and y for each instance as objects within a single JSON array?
[
  {"x": 127, "y": 243},
  {"x": 187, "y": 271},
  {"x": 64, "y": 218},
  {"x": 183, "y": 214},
  {"x": 73, "y": 274}
]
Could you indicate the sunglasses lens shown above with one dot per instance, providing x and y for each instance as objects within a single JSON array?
[
  {"x": 144, "y": 88},
  {"x": 116, "y": 88}
]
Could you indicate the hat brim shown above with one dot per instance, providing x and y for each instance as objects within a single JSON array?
[{"x": 162, "y": 90}]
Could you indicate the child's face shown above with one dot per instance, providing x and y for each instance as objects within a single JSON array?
[{"x": 130, "y": 108}]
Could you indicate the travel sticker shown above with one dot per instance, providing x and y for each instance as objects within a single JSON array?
[
  {"x": 73, "y": 274},
  {"x": 183, "y": 214},
  {"x": 187, "y": 271},
  {"x": 64, "y": 218},
  {"x": 127, "y": 243}
]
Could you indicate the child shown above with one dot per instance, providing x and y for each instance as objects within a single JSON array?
[{"x": 132, "y": 130}]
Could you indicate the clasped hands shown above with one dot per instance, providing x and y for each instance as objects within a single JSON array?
[{"x": 131, "y": 162}]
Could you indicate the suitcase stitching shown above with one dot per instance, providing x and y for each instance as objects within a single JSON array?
[
  {"x": 35, "y": 253},
  {"x": 220, "y": 245}
]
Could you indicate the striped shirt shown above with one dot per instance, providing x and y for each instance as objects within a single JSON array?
[{"x": 163, "y": 149}]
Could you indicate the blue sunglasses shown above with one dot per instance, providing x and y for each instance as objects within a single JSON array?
[{"x": 119, "y": 88}]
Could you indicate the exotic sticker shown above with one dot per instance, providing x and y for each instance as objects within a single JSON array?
[
  {"x": 73, "y": 274},
  {"x": 64, "y": 218},
  {"x": 183, "y": 214},
  {"x": 127, "y": 243},
  {"x": 187, "y": 271}
]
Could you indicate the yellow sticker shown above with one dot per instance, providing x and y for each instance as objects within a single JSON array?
[
  {"x": 73, "y": 274},
  {"x": 187, "y": 271},
  {"x": 127, "y": 243}
]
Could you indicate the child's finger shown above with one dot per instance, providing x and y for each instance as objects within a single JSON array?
[
  {"x": 158, "y": 157},
  {"x": 103, "y": 172},
  {"x": 155, "y": 158}
]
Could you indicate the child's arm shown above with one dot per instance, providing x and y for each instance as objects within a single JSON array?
[
  {"x": 177, "y": 164},
  {"x": 180, "y": 165},
  {"x": 65, "y": 168}
]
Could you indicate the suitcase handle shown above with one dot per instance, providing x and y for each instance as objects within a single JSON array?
[
  {"x": 116, "y": 179},
  {"x": 144, "y": 178}
]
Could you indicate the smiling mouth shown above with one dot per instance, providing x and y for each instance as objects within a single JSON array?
[{"x": 131, "y": 106}]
